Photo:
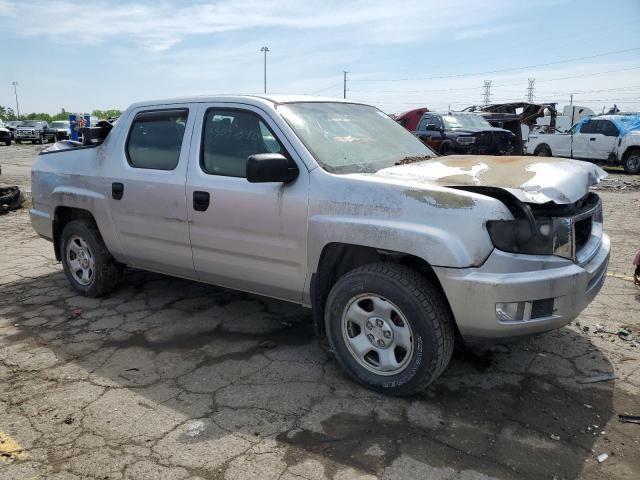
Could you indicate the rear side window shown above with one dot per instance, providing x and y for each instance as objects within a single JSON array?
[
  {"x": 608, "y": 129},
  {"x": 155, "y": 139},
  {"x": 230, "y": 137}
]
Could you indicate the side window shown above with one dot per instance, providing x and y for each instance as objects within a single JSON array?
[
  {"x": 424, "y": 121},
  {"x": 155, "y": 139},
  {"x": 437, "y": 121},
  {"x": 229, "y": 137},
  {"x": 608, "y": 129},
  {"x": 589, "y": 127}
]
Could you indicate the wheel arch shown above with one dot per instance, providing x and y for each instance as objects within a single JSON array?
[
  {"x": 62, "y": 216},
  {"x": 543, "y": 146},
  {"x": 337, "y": 259},
  {"x": 629, "y": 150}
]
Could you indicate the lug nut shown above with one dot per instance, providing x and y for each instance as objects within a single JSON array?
[
  {"x": 381, "y": 343},
  {"x": 369, "y": 324},
  {"x": 387, "y": 334},
  {"x": 379, "y": 323},
  {"x": 370, "y": 337}
]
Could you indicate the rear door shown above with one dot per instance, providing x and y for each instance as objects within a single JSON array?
[
  {"x": 247, "y": 236},
  {"x": 602, "y": 141},
  {"x": 146, "y": 190}
]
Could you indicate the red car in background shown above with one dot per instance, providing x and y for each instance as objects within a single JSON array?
[{"x": 410, "y": 119}]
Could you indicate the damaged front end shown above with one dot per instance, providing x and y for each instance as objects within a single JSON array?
[{"x": 572, "y": 231}]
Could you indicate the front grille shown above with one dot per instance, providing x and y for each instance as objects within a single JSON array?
[{"x": 583, "y": 232}]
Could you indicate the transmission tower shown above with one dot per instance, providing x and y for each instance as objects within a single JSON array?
[
  {"x": 530, "y": 89},
  {"x": 486, "y": 92}
]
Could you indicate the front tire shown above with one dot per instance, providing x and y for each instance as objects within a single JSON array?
[
  {"x": 447, "y": 149},
  {"x": 391, "y": 329},
  {"x": 88, "y": 265},
  {"x": 631, "y": 162}
]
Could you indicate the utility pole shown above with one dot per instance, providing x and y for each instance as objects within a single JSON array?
[
  {"x": 486, "y": 92},
  {"x": 344, "y": 84},
  {"x": 530, "y": 89},
  {"x": 572, "y": 109},
  {"x": 15, "y": 91},
  {"x": 265, "y": 50}
]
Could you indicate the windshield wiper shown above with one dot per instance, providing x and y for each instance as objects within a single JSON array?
[{"x": 413, "y": 159}]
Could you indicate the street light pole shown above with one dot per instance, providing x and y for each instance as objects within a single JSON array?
[
  {"x": 15, "y": 91},
  {"x": 265, "y": 50}
]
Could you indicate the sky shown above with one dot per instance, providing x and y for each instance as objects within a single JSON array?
[{"x": 89, "y": 55}]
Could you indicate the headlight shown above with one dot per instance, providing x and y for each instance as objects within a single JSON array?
[
  {"x": 465, "y": 140},
  {"x": 547, "y": 236}
]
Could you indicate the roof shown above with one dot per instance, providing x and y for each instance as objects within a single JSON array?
[
  {"x": 251, "y": 99},
  {"x": 625, "y": 123}
]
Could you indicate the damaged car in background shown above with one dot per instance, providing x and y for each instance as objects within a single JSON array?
[
  {"x": 333, "y": 205},
  {"x": 464, "y": 133}
]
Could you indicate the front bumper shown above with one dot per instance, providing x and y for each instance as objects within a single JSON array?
[
  {"x": 506, "y": 277},
  {"x": 42, "y": 224},
  {"x": 27, "y": 136}
]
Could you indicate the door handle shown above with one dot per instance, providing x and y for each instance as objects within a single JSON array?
[
  {"x": 117, "y": 190},
  {"x": 592, "y": 139},
  {"x": 200, "y": 201}
]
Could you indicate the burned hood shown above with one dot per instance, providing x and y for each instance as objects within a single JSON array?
[{"x": 530, "y": 179}]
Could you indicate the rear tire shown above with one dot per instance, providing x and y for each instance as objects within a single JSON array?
[
  {"x": 631, "y": 162},
  {"x": 542, "y": 150},
  {"x": 391, "y": 328},
  {"x": 88, "y": 265}
]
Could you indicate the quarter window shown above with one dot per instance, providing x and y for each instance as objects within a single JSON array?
[
  {"x": 155, "y": 139},
  {"x": 230, "y": 137}
]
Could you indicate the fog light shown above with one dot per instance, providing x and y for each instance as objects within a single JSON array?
[{"x": 510, "y": 311}]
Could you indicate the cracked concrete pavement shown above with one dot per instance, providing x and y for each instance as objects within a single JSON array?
[{"x": 170, "y": 379}]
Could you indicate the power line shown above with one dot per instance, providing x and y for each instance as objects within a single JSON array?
[
  {"x": 460, "y": 75},
  {"x": 327, "y": 88},
  {"x": 496, "y": 85}
]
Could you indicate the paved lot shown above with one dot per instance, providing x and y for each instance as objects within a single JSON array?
[{"x": 170, "y": 379}]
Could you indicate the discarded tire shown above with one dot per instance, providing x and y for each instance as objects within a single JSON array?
[{"x": 10, "y": 198}]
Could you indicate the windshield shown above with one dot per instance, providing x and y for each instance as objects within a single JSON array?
[
  {"x": 350, "y": 138},
  {"x": 31, "y": 124},
  {"x": 465, "y": 121},
  {"x": 60, "y": 124}
]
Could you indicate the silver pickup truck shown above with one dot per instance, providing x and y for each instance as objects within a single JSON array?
[{"x": 332, "y": 205}]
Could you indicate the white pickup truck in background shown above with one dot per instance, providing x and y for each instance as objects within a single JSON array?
[{"x": 613, "y": 138}]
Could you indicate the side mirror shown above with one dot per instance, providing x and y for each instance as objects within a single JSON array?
[
  {"x": 270, "y": 167},
  {"x": 430, "y": 126}
]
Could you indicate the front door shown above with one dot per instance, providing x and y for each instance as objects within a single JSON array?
[
  {"x": 602, "y": 142},
  {"x": 581, "y": 138},
  {"x": 248, "y": 236},
  {"x": 146, "y": 190}
]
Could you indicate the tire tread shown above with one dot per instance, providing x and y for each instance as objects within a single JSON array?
[{"x": 431, "y": 302}]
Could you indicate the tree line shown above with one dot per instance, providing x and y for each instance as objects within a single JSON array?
[{"x": 8, "y": 114}]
